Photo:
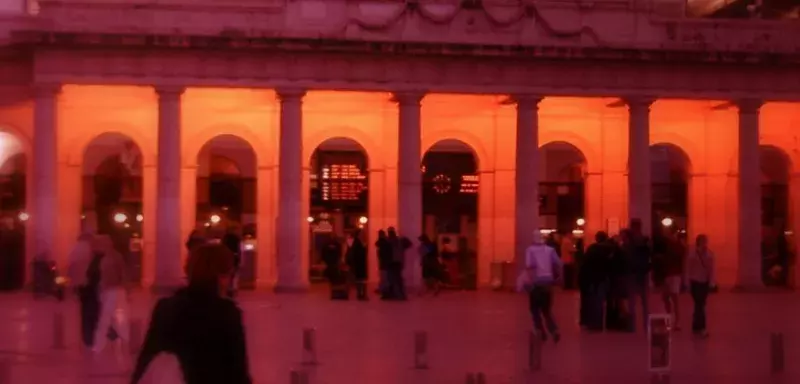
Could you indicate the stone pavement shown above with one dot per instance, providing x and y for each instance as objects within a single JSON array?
[{"x": 372, "y": 342}]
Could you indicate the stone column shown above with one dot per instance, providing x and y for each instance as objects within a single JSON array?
[
  {"x": 526, "y": 184},
  {"x": 44, "y": 210},
  {"x": 169, "y": 242},
  {"x": 409, "y": 175},
  {"x": 639, "y": 185},
  {"x": 291, "y": 276},
  {"x": 749, "y": 234}
]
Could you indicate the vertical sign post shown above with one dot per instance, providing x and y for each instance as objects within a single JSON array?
[
  {"x": 421, "y": 350},
  {"x": 309, "y": 347},
  {"x": 659, "y": 351}
]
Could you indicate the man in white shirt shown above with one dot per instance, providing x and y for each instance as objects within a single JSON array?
[{"x": 544, "y": 269}]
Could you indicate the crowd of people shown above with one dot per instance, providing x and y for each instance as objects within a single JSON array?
[{"x": 615, "y": 278}]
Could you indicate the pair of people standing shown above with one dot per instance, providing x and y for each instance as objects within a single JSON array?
[
  {"x": 355, "y": 258},
  {"x": 391, "y": 259},
  {"x": 100, "y": 275}
]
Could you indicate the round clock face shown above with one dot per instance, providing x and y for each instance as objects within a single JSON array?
[{"x": 441, "y": 184}]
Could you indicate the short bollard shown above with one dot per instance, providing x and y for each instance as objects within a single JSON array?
[
  {"x": 534, "y": 352},
  {"x": 476, "y": 378},
  {"x": 777, "y": 358},
  {"x": 5, "y": 371},
  {"x": 309, "y": 347},
  {"x": 298, "y": 377},
  {"x": 421, "y": 350},
  {"x": 135, "y": 342},
  {"x": 58, "y": 330}
]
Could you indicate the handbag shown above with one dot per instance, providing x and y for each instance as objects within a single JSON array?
[{"x": 524, "y": 281}]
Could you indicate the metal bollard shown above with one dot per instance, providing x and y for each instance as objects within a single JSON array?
[
  {"x": 534, "y": 352},
  {"x": 309, "y": 347},
  {"x": 298, "y": 377},
  {"x": 135, "y": 342},
  {"x": 660, "y": 378},
  {"x": 777, "y": 355},
  {"x": 421, "y": 350},
  {"x": 476, "y": 378},
  {"x": 5, "y": 371},
  {"x": 58, "y": 330}
]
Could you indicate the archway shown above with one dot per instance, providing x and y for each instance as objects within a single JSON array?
[
  {"x": 338, "y": 199},
  {"x": 562, "y": 203},
  {"x": 226, "y": 201},
  {"x": 112, "y": 195},
  {"x": 775, "y": 220},
  {"x": 450, "y": 184},
  {"x": 13, "y": 215},
  {"x": 670, "y": 169}
]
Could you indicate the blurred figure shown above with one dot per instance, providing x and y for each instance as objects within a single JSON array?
[
  {"x": 79, "y": 260},
  {"x": 399, "y": 247},
  {"x": 332, "y": 257},
  {"x": 356, "y": 258},
  {"x": 596, "y": 271},
  {"x": 384, "y": 251},
  {"x": 616, "y": 308},
  {"x": 196, "y": 239},
  {"x": 114, "y": 295},
  {"x": 544, "y": 269},
  {"x": 450, "y": 261},
  {"x": 233, "y": 242},
  {"x": 199, "y": 326},
  {"x": 700, "y": 272},
  {"x": 638, "y": 254},
  {"x": 673, "y": 257},
  {"x": 568, "y": 258},
  {"x": 431, "y": 268}
]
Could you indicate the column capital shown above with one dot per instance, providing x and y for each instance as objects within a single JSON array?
[
  {"x": 46, "y": 89},
  {"x": 638, "y": 101},
  {"x": 408, "y": 97},
  {"x": 531, "y": 100},
  {"x": 290, "y": 93},
  {"x": 749, "y": 105},
  {"x": 164, "y": 90}
]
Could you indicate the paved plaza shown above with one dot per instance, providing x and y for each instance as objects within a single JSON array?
[{"x": 373, "y": 342}]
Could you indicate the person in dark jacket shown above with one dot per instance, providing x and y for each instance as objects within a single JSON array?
[
  {"x": 638, "y": 253},
  {"x": 431, "y": 266},
  {"x": 356, "y": 258},
  {"x": 332, "y": 257},
  {"x": 196, "y": 239},
  {"x": 233, "y": 242},
  {"x": 199, "y": 326},
  {"x": 595, "y": 274},
  {"x": 400, "y": 244},
  {"x": 384, "y": 249},
  {"x": 616, "y": 311}
]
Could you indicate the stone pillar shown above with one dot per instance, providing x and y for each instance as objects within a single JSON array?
[
  {"x": 409, "y": 175},
  {"x": 640, "y": 188},
  {"x": 149, "y": 224},
  {"x": 526, "y": 184},
  {"x": 265, "y": 262},
  {"x": 43, "y": 219},
  {"x": 291, "y": 276},
  {"x": 169, "y": 242},
  {"x": 749, "y": 234}
]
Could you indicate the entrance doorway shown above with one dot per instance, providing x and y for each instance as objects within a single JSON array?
[
  {"x": 13, "y": 214},
  {"x": 669, "y": 171},
  {"x": 776, "y": 244}
]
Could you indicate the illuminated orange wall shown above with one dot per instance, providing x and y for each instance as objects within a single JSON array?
[{"x": 706, "y": 135}]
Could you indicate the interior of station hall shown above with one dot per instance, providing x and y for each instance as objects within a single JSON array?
[{"x": 107, "y": 154}]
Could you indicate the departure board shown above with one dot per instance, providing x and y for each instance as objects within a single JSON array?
[{"x": 340, "y": 178}]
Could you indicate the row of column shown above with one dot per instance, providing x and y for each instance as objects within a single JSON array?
[{"x": 291, "y": 275}]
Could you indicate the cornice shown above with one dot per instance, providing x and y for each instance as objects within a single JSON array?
[{"x": 412, "y": 73}]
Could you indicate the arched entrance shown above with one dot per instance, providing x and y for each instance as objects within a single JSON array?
[
  {"x": 450, "y": 185},
  {"x": 112, "y": 195},
  {"x": 339, "y": 198},
  {"x": 226, "y": 200},
  {"x": 562, "y": 203},
  {"x": 775, "y": 245},
  {"x": 13, "y": 215},
  {"x": 669, "y": 171}
]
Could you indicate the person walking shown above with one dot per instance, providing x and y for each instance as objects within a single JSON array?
[
  {"x": 638, "y": 252},
  {"x": 114, "y": 295},
  {"x": 595, "y": 275},
  {"x": 356, "y": 258},
  {"x": 199, "y": 326},
  {"x": 700, "y": 266},
  {"x": 384, "y": 251},
  {"x": 332, "y": 257},
  {"x": 431, "y": 267},
  {"x": 673, "y": 256},
  {"x": 543, "y": 270},
  {"x": 399, "y": 247},
  {"x": 79, "y": 260},
  {"x": 233, "y": 242}
]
